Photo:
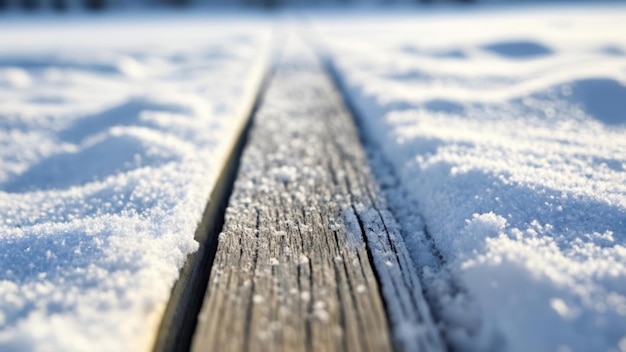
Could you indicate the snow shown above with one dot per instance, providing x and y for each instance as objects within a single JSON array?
[
  {"x": 112, "y": 135},
  {"x": 499, "y": 136}
]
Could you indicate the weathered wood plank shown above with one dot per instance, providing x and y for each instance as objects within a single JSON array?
[{"x": 292, "y": 270}]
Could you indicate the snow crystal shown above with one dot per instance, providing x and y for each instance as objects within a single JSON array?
[
  {"x": 112, "y": 134},
  {"x": 286, "y": 173},
  {"x": 509, "y": 156}
]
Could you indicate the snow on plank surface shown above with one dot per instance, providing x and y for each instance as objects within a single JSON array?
[
  {"x": 292, "y": 269},
  {"x": 112, "y": 133},
  {"x": 504, "y": 133}
]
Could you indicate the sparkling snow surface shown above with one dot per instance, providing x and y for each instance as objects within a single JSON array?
[
  {"x": 506, "y": 132},
  {"x": 112, "y": 134}
]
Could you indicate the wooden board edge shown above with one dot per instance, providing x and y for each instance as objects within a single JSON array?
[{"x": 160, "y": 320}]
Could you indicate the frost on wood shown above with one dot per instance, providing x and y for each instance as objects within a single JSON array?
[
  {"x": 292, "y": 269},
  {"x": 503, "y": 152},
  {"x": 111, "y": 137}
]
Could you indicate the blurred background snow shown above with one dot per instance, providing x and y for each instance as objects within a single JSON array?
[{"x": 100, "y": 5}]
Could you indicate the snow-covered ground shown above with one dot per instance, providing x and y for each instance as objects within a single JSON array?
[
  {"x": 500, "y": 137},
  {"x": 112, "y": 134},
  {"x": 505, "y": 131}
]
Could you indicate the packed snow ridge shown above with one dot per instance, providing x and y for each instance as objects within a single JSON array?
[
  {"x": 112, "y": 136},
  {"x": 505, "y": 133}
]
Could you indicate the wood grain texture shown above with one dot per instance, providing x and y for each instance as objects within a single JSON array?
[{"x": 308, "y": 246}]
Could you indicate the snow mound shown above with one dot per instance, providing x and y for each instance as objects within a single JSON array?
[
  {"x": 601, "y": 98},
  {"x": 116, "y": 152}
]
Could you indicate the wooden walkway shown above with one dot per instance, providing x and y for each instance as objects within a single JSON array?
[{"x": 309, "y": 258}]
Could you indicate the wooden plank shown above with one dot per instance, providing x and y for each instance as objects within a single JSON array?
[{"x": 293, "y": 270}]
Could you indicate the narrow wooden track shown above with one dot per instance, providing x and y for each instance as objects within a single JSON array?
[{"x": 309, "y": 258}]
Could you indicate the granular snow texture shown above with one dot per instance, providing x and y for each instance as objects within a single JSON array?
[
  {"x": 505, "y": 132},
  {"x": 112, "y": 135}
]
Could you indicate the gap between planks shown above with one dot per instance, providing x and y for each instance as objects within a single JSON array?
[{"x": 179, "y": 317}]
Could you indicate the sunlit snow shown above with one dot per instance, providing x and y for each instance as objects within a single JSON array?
[
  {"x": 112, "y": 134},
  {"x": 506, "y": 131}
]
